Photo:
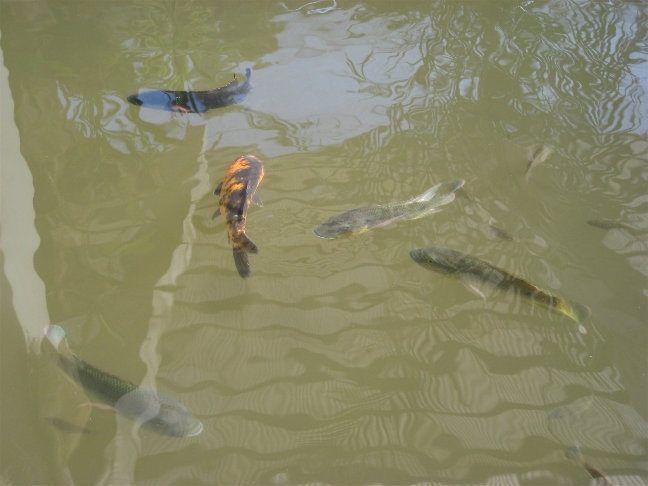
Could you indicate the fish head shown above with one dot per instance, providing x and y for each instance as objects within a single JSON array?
[
  {"x": 435, "y": 258},
  {"x": 175, "y": 420},
  {"x": 159, "y": 412},
  {"x": 340, "y": 225},
  {"x": 164, "y": 100}
]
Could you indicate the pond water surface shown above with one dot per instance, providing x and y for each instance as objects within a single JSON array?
[{"x": 337, "y": 361}]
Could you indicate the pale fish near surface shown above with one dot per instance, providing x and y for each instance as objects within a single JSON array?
[
  {"x": 449, "y": 261},
  {"x": 360, "y": 220},
  {"x": 539, "y": 157}
]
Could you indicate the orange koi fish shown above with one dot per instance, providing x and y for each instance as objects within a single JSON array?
[{"x": 236, "y": 191}]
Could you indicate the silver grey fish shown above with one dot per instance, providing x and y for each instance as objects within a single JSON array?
[
  {"x": 539, "y": 156},
  {"x": 149, "y": 407},
  {"x": 448, "y": 261},
  {"x": 364, "y": 219}
]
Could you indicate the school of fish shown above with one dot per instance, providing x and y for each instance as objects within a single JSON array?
[{"x": 235, "y": 193}]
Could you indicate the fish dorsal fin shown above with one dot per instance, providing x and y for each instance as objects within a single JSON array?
[
  {"x": 231, "y": 85},
  {"x": 444, "y": 191},
  {"x": 427, "y": 195}
]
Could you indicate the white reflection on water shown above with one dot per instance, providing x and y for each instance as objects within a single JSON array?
[{"x": 19, "y": 238}]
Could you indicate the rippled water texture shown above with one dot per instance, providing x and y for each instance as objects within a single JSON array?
[{"x": 337, "y": 361}]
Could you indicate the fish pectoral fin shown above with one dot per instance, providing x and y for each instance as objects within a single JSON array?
[
  {"x": 256, "y": 199},
  {"x": 476, "y": 291},
  {"x": 217, "y": 191},
  {"x": 216, "y": 213},
  {"x": 381, "y": 224},
  {"x": 471, "y": 284}
]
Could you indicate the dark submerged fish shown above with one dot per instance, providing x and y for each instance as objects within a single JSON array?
[
  {"x": 574, "y": 454},
  {"x": 448, "y": 261},
  {"x": 237, "y": 190},
  {"x": 154, "y": 410},
  {"x": 360, "y": 220},
  {"x": 67, "y": 426},
  {"x": 611, "y": 224},
  {"x": 194, "y": 101},
  {"x": 498, "y": 231}
]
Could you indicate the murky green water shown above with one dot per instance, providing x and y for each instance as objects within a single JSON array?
[{"x": 338, "y": 361}]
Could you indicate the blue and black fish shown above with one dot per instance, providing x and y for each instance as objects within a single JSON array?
[{"x": 194, "y": 101}]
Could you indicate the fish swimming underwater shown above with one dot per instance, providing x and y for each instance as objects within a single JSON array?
[
  {"x": 574, "y": 454},
  {"x": 237, "y": 190},
  {"x": 611, "y": 224},
  {"x": 448, "y": 261},
  {"x": 498, "y": 231},
  {"x": 154, "y": 410},
  {"x": 359, "y": 220},
  {"x": 194, "y": 101},
  {"x": 539, "y": 157}
]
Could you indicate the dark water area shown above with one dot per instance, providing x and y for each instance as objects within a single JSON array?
[{"x": 338, "y": 361}]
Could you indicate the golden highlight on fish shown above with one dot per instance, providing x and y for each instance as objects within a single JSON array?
[
  {"x": 236, "y": 192},
  {"x": 360, "y": 220},
  {"x": 448, "y": 261}
]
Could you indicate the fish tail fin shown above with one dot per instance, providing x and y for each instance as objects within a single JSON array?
[
  {"x": 54, "y": 334},
  {"x": 248, "y": 75},
  {"x": 241, "y": 246},
  {"x": 441, "y": 194},
  {"x": 578, "y": 312}
]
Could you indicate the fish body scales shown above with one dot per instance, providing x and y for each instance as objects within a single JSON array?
[
  {"x": 109, "y": 387},
  {"x": 449, "y": 261}
]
